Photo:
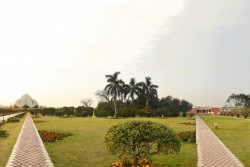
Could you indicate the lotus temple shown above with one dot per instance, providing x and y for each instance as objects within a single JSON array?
[{"x": 26, "y": 102}]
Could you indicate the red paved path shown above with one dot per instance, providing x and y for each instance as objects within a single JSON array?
[
  {"x": 29, "y": 150},
  {"x": 211, "y": 151}
]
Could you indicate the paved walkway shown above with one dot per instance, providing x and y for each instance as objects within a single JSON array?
[
  {"x": 211, "y": 151},
  {"x": 29, "y": 150},
  {"x": 9, "y": 116}
]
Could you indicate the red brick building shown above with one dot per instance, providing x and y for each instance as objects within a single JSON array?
[
  {"x": 205, "y": 110},
  {"x": 212, "y": 110}
]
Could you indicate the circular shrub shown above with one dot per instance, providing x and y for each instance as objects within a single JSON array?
[{"x": 141, "y": 139}]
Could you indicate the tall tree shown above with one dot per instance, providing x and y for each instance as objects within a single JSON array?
[
  {"x": 149, "y": 89},
  {"x": 185, "y": 107},
  {"x": 114, "y": 88},
  {"x": 131, "y": 89},
  {"x": 239, "y": 100},
  {"x": 87, "y": 102}
]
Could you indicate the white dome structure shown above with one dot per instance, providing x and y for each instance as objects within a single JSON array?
[{"x": 26, "y": 102}]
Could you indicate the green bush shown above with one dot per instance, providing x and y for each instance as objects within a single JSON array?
[
  {"x": 141, "y": 139},
  {"x": 127, "y": 110},
  {"x": 13, "y": 119},
  {"x": 104, "y": 109},
  {"x": 245, "y": 112},
  {"x": 162, "y": 112},
  {"x": 82, "y": 111},
  {"x": 3, "y": 133},
  {"x": 147, "y": 111}
]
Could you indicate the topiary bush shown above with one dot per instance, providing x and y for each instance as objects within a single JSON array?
[{"x": 141, "y": 139}]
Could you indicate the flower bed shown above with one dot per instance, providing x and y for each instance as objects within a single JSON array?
[
  {"x": 189, "y": 136},
  {"x": 127, "y": 163},
  {"x": 52, "y": 136}
]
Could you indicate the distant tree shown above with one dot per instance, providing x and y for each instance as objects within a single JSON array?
[
  {"x": 239, "y": 100},
  {"x": 149, "y": 89},
  {"x": 48, "y": 111},
  {"x": 103, "y": 96},
  {"x": 114, "y": 88},
  {"x": 147, "y": 111},
  {"x": 175, "y": 107},
  {"x": 87, "y": 102},
  {"x": 141, "y": 139},
  {"x": 185, "y": 107},
  {"x": 245, "y": 112},
  {"x": 127, "y": 110},
  {"x": 79, "y": 111},
  {"x": 104, "y": 109},
  {"x": 82, "y": 111}
]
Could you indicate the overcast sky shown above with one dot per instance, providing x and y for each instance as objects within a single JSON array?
[{"x": 60, "y": 51}]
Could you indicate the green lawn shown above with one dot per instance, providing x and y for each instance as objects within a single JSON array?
[
  {"x": 7, "y": 143},
  {"x": 235, "y": 134},
  {"x": 85, "y": 147}
]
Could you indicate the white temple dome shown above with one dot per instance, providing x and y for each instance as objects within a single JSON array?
[{"x": 26, "y": 102}]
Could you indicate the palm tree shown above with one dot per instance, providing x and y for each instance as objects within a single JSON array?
[
  {"x": 131, "y": 89},
  {"x": 149, "y": 89},
  {"x": 114, "y": 87}
]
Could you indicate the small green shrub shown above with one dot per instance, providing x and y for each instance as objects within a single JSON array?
[
  {"x": 188, "y": 123},
  {"x": 13, "y": 119},
  {"x": 3, "y": 133},
  {"x": 245, "y": 112}
]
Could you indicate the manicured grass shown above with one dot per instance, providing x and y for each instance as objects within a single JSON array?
[
  {"x": 85, "y": 148},
  {"x": 7, "y": 143},
  {"x": 235, "y": 134}
]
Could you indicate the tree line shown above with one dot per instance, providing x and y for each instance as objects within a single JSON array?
[
  {"x": 80, "y": 111},
  {"x": 119, "y": 99}
]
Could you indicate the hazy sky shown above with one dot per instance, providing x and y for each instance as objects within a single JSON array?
[{"x": 60, "y": 51}]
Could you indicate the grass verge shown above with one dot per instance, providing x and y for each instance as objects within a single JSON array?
[
  {"x": 85, "y": 147},
  {"x": 7, "y": 143}
]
